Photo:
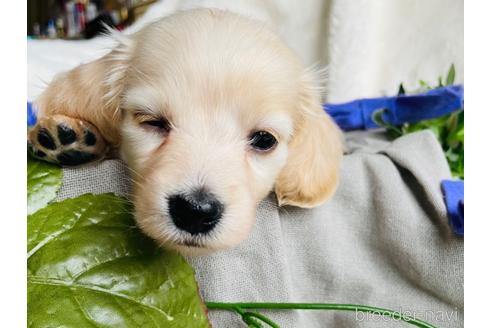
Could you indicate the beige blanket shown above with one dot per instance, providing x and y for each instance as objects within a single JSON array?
[{"x": 383, "y": 240}]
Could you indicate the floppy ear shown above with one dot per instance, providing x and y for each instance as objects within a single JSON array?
[
  {"x": 91, "y": 91},
  {"x": 310, "y": 175}
]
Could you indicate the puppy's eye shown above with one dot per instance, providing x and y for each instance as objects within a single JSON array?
[
  {"x": 262, "y": 140},
  {"x": 158, "y": 124}
]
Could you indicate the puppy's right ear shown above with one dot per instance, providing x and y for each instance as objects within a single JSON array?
[
  {"x": 92, "y": 91},
  {"x": 310, "y": 175}
]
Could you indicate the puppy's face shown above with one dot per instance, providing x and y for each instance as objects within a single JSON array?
[
  {"x": 217, "y": 113},
  {"x": 201, "y": 167}
]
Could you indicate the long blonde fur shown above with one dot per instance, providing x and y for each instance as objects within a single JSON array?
[{"x": 216, "y": 77}]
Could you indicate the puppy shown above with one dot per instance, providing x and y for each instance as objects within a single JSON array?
[{"x": 211, "y": 111}]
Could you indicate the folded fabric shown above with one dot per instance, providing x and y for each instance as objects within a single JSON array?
[{"x": 401, "y": 109}]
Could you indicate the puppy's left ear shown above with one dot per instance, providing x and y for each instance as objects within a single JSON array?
[{"x": 310, "y": 175}]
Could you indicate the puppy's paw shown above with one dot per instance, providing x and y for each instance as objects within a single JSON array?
[{"x": 66, "y": 141}]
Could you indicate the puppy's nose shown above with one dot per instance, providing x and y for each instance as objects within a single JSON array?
[{"x": 197, "y": 212}]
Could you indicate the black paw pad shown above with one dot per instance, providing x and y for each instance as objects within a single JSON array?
[
  {"x": 75, "y": 157},
  {"x": 39, "y": 153},
  {"x": 89, "y": 138},
  {"x": 46, "y": 140},
  {"x": 66, "y": 135}
]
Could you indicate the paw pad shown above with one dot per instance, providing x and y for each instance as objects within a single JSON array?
[
  {"x": 39, "y": 153},
  {"x": 66, "y": 135},
  {"x": 75, "y": 157},
  {"x": 66, "y": 141},
  {"x": 45, "y": 139},
  {"x": 89, "y": 138}
]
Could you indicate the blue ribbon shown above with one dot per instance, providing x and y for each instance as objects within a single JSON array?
[
  {"x": 357, "y": 114},
  {"x": 454, "y": 196},
  {"x": 31, "y": 115},
  {"x": 398, "y": 110}
]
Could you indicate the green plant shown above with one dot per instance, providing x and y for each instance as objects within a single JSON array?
[
  {"x": 88, "y": 264},
  {"x": 43, "y": 181},
  {"x": 254, "y": 319},
  {"x": 448, "y": 129}
]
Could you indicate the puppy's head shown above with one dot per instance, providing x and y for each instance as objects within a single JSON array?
[{"x": 216, "y": 113}]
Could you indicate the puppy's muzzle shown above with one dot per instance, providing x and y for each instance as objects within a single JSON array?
[{"x": 197, "y": 212}]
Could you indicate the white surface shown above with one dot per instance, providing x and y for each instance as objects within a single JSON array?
[
  {"x": 370, "y": 46},
  {"x": 375, "y": 45}
]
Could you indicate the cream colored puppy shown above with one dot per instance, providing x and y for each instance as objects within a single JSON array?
[{"x": 211, "y": 111}]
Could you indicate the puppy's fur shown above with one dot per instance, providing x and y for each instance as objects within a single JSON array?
[{"x": 216, "y": 78}]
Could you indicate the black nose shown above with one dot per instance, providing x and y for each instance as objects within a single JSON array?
[{"x": 197, "y": 212}]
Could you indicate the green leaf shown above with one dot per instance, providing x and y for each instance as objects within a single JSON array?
[
  {"x": 451, "y": 75},
  {"x": 43, "y": 182},
  {"x": 448, "y": 129},
  {"x": 424, "y": 85},
  {"x": 401, "y": 90},
  {"x": 377, "y": 117},
  {"x": 90, "y": 266},
  {"x": 458, "y": 137},
  {"x": 439, "y": 82}
]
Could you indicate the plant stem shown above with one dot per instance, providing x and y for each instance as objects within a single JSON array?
[
  {"x": 262, "y": 318},
  {"x": 318, "y": 306}
]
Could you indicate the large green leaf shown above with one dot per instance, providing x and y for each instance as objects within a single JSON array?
[
  {"x": 90, "y": 266},
  {"x": 43, "y": 181}
]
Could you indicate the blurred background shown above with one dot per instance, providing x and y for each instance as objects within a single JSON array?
[
  {"x": 75, "y": 19},
  {"x": 368, "y": 47}
]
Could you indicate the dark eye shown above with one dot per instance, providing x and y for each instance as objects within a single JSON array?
[
  {"x": 262, "y": 140},
  {"x": 159, "y": 125}
]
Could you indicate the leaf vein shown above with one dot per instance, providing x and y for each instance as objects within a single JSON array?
[
  {"x": 60, "y": 283},
  {"x": 84, "y": 312}
]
